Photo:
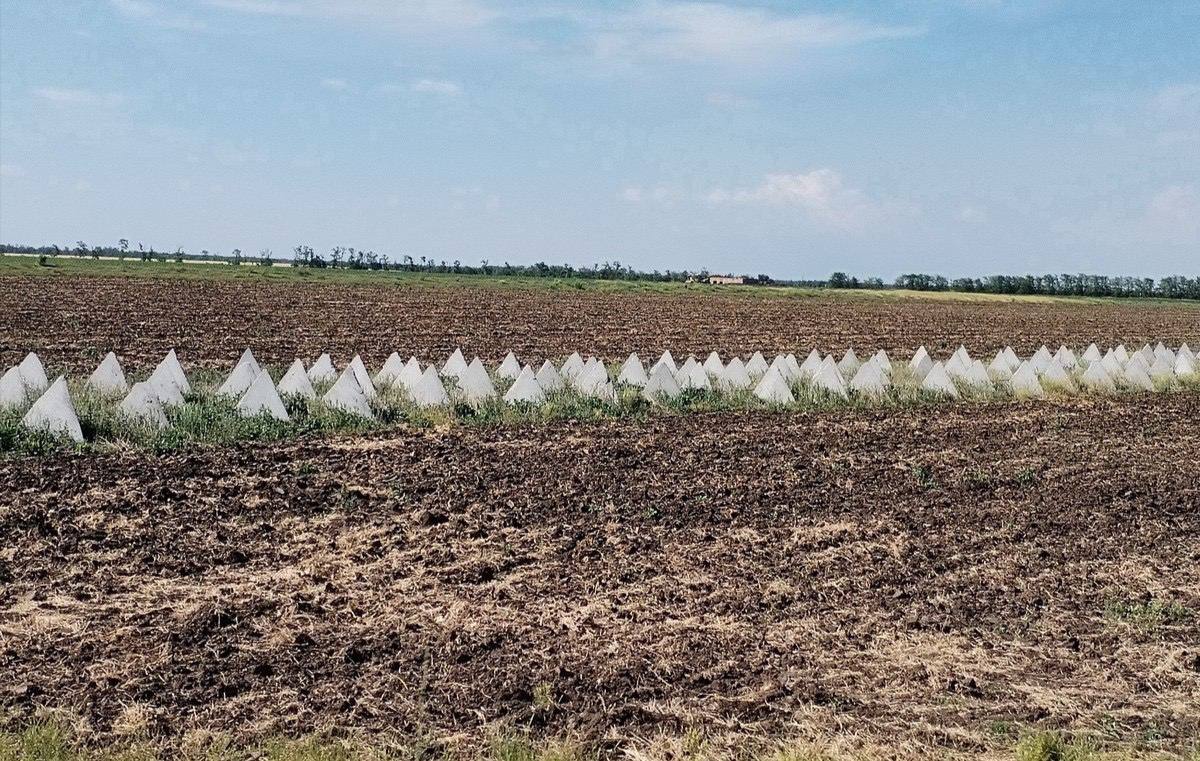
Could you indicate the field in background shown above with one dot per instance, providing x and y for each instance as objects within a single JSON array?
[
  {"x": 26, "y": 265},
  {"x": 210, "y": 313}
]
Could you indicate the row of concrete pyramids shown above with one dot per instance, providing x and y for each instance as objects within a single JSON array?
[{"x": 353, "y": 389}]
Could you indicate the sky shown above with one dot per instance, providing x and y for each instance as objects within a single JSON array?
[{"x": 960, "y": 137}]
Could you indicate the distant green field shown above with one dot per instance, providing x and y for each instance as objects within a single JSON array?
[{"x": 65, "y": 266}]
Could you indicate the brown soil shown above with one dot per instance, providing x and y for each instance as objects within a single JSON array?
[
  {"x": 912, "y": 577},
  {"x": 73, "y": 320}
]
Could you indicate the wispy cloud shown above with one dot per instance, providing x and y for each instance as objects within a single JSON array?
[
  {"x": 436, "y": 87},
  {"x": 11, "y": 170},
  {"x": 72, "y": 96},
  {"x": 335, "y": 83},
  {"x": 821, "y": 195},
  {"x": 720, "y": 32},
  {"x": 152, "y": 13},
  {"x": 404, "y": 15}
]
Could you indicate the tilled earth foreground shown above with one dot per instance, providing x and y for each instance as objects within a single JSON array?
[
  {"x": 924, "y": 578},
  {"x": 73, "y": 320}
]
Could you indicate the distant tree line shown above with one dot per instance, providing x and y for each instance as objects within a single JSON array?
[
  {"x": 1171, "y": 287},
  {"x": 339, "y": 257}
]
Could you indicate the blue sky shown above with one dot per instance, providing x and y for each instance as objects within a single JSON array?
[{"x": 964, "y": 137}]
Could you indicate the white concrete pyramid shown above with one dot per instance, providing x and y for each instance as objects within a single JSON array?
[
  {"x": 1184, "y": 349},
  {"x": 1040, "y": 359},
  {"x": 667, "y": 360},
  {"x": 455, "y": 364},
  {"x": 170, "y": 365},
  {"x": 525, "y": 389},
  {"x": 475, "y": 384},
  {"x": 830, "y": 379},
  {"x": 295, "y": 382},
  {"x": 1096, "y": 378},
  {"x": 346, "y": 395},
  {"x": 1162, "y": 370},
  {"x": 262, "y": 398},
  {"x": 811, "y": 364},
  {"x": 938, "y": 381},
  {"x": 849, "y": 363},
  {"x": 1162, "y": 351},
  {"x": 999, "y": 367},
  {"x": 773, "y": 388},
  {"x": 735, "y": 377},
  {"x": 549, "y": 379},
  {"x": 409, "y": 375},
  {"x": 165, "y": 386},
  {"x": 1011, "y": 357},
  {"x": 54, "y": 412},
  {"x": 585, "y": 376},
  {"x": 713, "y": 364},
  {"x": 322, "y": 371},
  {"x": 661, "y": 383},
  {"x": 391, "y": 369},
  {"x": 1066, "y": 358},
  {"x": 33, "y": 374},
  {"x": 142, "y": 404},
  {"x": 108, "y": 379},
  {"x": 692, "y": 375},
  {"x": 870, "y": 380},
  {"x": 1136, "y": 377},
  {"x": 793, "y": 367},
  {"x": 12, "y": 389},
  {"x": 238, "y": 381},
  {"x": 632, "y": 373},
  {"x": 1139, "y": 359},
  {"x": 1112, "y": 364},
  {"x": 921, "y": 363},
  {"x": 956, "y": 368},
  {"x": 883, "y": 361},
  {"x": 1146, "y": 353},
  {"x": 781, "y": 365},
  {"x": 1121, "y": 353},
  {"x": 1185, "y": 366},
  {"x": 592, "y": 380},
  {"x": 1056, "y": 375},
  {"x": 571, "y": 366},
  {"x": 977, "y": 376},
  {"x": 247, "y": 358},
  {"x": 756, "y": 365},
  {"x": 1025, "y": 381},
  {"x": 1091, "y": 353},
  {"x": 429, "y": 391},
  {"x": 964, "y": 357},
  {"x": 509, "y": 367},
  {"x": 363, "y": 377}
]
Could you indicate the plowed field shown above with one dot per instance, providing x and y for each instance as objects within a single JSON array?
[
  {"x": 921, "y": 579},
  {"x": 72, "y": 320}
]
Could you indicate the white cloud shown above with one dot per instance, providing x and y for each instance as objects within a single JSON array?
[
  {"x": 1177, "y": 100},
  {"x": 151, "y": 13},
  {"x": 1170, "y": 216},
  {"x": 728, "y": 100},
  {"x": 715, "y": 31},
  {"x": 11, "y": 170},
  {"x": 334, "y": 83},
  {"x": 972, "y": 213},
  {"x": 821, "y": 195},
  {"x": 1174, "y": 213},
  {"x": 436, "y": 87},
  {"x": 663, "y": 195},
  {"x": 69, "y": 96},
  {"x": 401, "y": 15}
]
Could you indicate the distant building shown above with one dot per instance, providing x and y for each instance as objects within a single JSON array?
[{"x": 726, "y": 280}]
